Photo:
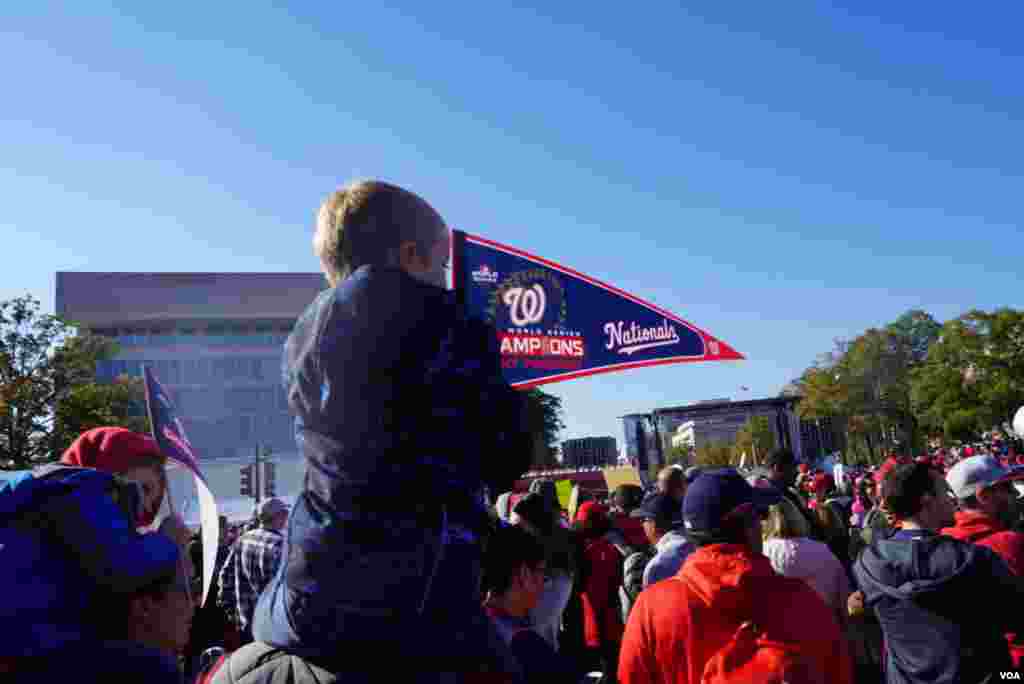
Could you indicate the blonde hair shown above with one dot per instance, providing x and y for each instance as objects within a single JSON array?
[
  {"x": 784, "y": 521},
  {"x": 365, "y": 222}
]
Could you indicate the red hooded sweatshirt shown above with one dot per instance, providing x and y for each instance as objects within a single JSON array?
[
  {"x": 981, "y": 529},
  {"x": 978, "y": 528},
  {"x": 677, "y": 626}
]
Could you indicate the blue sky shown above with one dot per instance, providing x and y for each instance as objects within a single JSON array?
[{"x": 780, "y": 174}]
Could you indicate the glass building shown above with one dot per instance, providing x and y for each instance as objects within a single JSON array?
[{"x": 214, "y": 340}]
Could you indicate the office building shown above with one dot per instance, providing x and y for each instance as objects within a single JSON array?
[
  {"x": 214, "y": 340},
  {"x": 589, "y": 452}
]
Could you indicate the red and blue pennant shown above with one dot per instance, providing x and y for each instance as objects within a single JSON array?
[{"x": 556, "y": 324}]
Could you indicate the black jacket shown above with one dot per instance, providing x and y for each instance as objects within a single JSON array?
[{"x": 944, "y": 606}]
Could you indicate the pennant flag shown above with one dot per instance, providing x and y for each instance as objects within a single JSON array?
[
  {"x": 170, "y": 436},
  {"x": 557, "y": 324}
]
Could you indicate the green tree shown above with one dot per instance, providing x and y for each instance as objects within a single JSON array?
[
  {"x": 973, "y": 377},
  {"x": 43, "y": 365},
  {"x": 679, "y": 454},
  {"x": 919, "y": 330},
  {"x": 544, "y": 413},
  {"x": 716, "y": 454},
  {"x": 863, "y": 385},
  {"x": 91, "y": 405}
]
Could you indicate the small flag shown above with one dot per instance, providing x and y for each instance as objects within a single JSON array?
[{"x": 170, "y": 435}]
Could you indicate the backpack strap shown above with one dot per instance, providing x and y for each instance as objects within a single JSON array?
[{"x": 240, "y": 665}]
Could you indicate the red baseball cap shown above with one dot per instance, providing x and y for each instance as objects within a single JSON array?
[{"x": 112, "y": 450}]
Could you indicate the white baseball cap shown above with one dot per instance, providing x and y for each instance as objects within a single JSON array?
[{"x": 972, "y": 474}]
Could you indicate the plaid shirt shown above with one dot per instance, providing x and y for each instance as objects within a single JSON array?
[{"x": 251, "y": 564}]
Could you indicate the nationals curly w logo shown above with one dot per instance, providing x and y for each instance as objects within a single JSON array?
[
  {"x": 531, "y": 298},
  {"x": 525, "y": 305}
]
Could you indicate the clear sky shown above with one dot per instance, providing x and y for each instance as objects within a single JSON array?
[{"x": 780, "y": 174}]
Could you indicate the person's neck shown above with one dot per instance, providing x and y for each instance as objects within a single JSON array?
[
  {"x": 510, "y": 604},
  {"x": 911, "y": 524},
  {"x": 144, "y": 638}
]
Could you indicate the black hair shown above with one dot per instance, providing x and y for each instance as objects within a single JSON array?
[
  {"x": 675, "y": 478},
  {"x": 508, "y": 550},
  {"x": 780, "y": 458},
  {"x": 113, "y": 610},
  {"x": 734, "y": 533},
  {"x": 905, "y": 486},
  {"x": 628, "y": 496},
  {"x": 970, "y": 502}
]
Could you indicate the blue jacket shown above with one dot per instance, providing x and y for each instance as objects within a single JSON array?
[
  {"x": 403, "y": 417},
  {"x": 944, "y": 606},
  {"x": 68, "y": 552}
]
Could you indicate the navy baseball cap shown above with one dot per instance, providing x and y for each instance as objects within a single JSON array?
[
  {"x": 718, "y": 495},
  {"x": 662, "y": 509}
]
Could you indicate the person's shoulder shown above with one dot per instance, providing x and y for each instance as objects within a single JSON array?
[
  {"x": 813, "y": 548},
  {"x": 536, "y": 656},
  {"x": 639, "y": 557},
  {"x": 1010, "y": 538},
  {"x": 666, "y": 590},
  {"x": 793, "y": 596},
  {"x": 790, "y": 587}
]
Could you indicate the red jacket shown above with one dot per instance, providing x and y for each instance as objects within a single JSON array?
[
  {"x": 981, "y": 529},
  {"x": 602, "y": 575},
  {"x": 678, "y": 625},
  {"x": 632, "y": 530},
  {"x": 978, "y": 528}
]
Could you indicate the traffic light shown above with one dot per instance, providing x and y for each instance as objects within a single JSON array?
[
  {"x": 246, "y": 487},
  {"x": 268, "y": 478}
]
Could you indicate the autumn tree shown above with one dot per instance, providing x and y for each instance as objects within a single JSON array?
[{"x": 48, "y": 393}]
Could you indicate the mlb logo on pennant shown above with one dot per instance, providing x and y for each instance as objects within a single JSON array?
[{"x": 485, "y": 275}]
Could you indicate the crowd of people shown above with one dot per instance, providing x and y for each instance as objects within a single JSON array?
[{"x": 407, "y": 554}]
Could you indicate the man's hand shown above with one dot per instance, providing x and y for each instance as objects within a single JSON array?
[{"x": 855, "y": 604}]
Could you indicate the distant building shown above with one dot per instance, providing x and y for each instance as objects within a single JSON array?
[
  {"x": 719, "y": 420},
  {"x": 590, "y": 451},
  {"x": 214, "y": 340}
]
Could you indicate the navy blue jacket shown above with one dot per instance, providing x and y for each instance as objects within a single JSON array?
[
  {"x": 70, "y": 555},
  {"x": 403, "y": 417},
  {"x": 944, "y": 606}
]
